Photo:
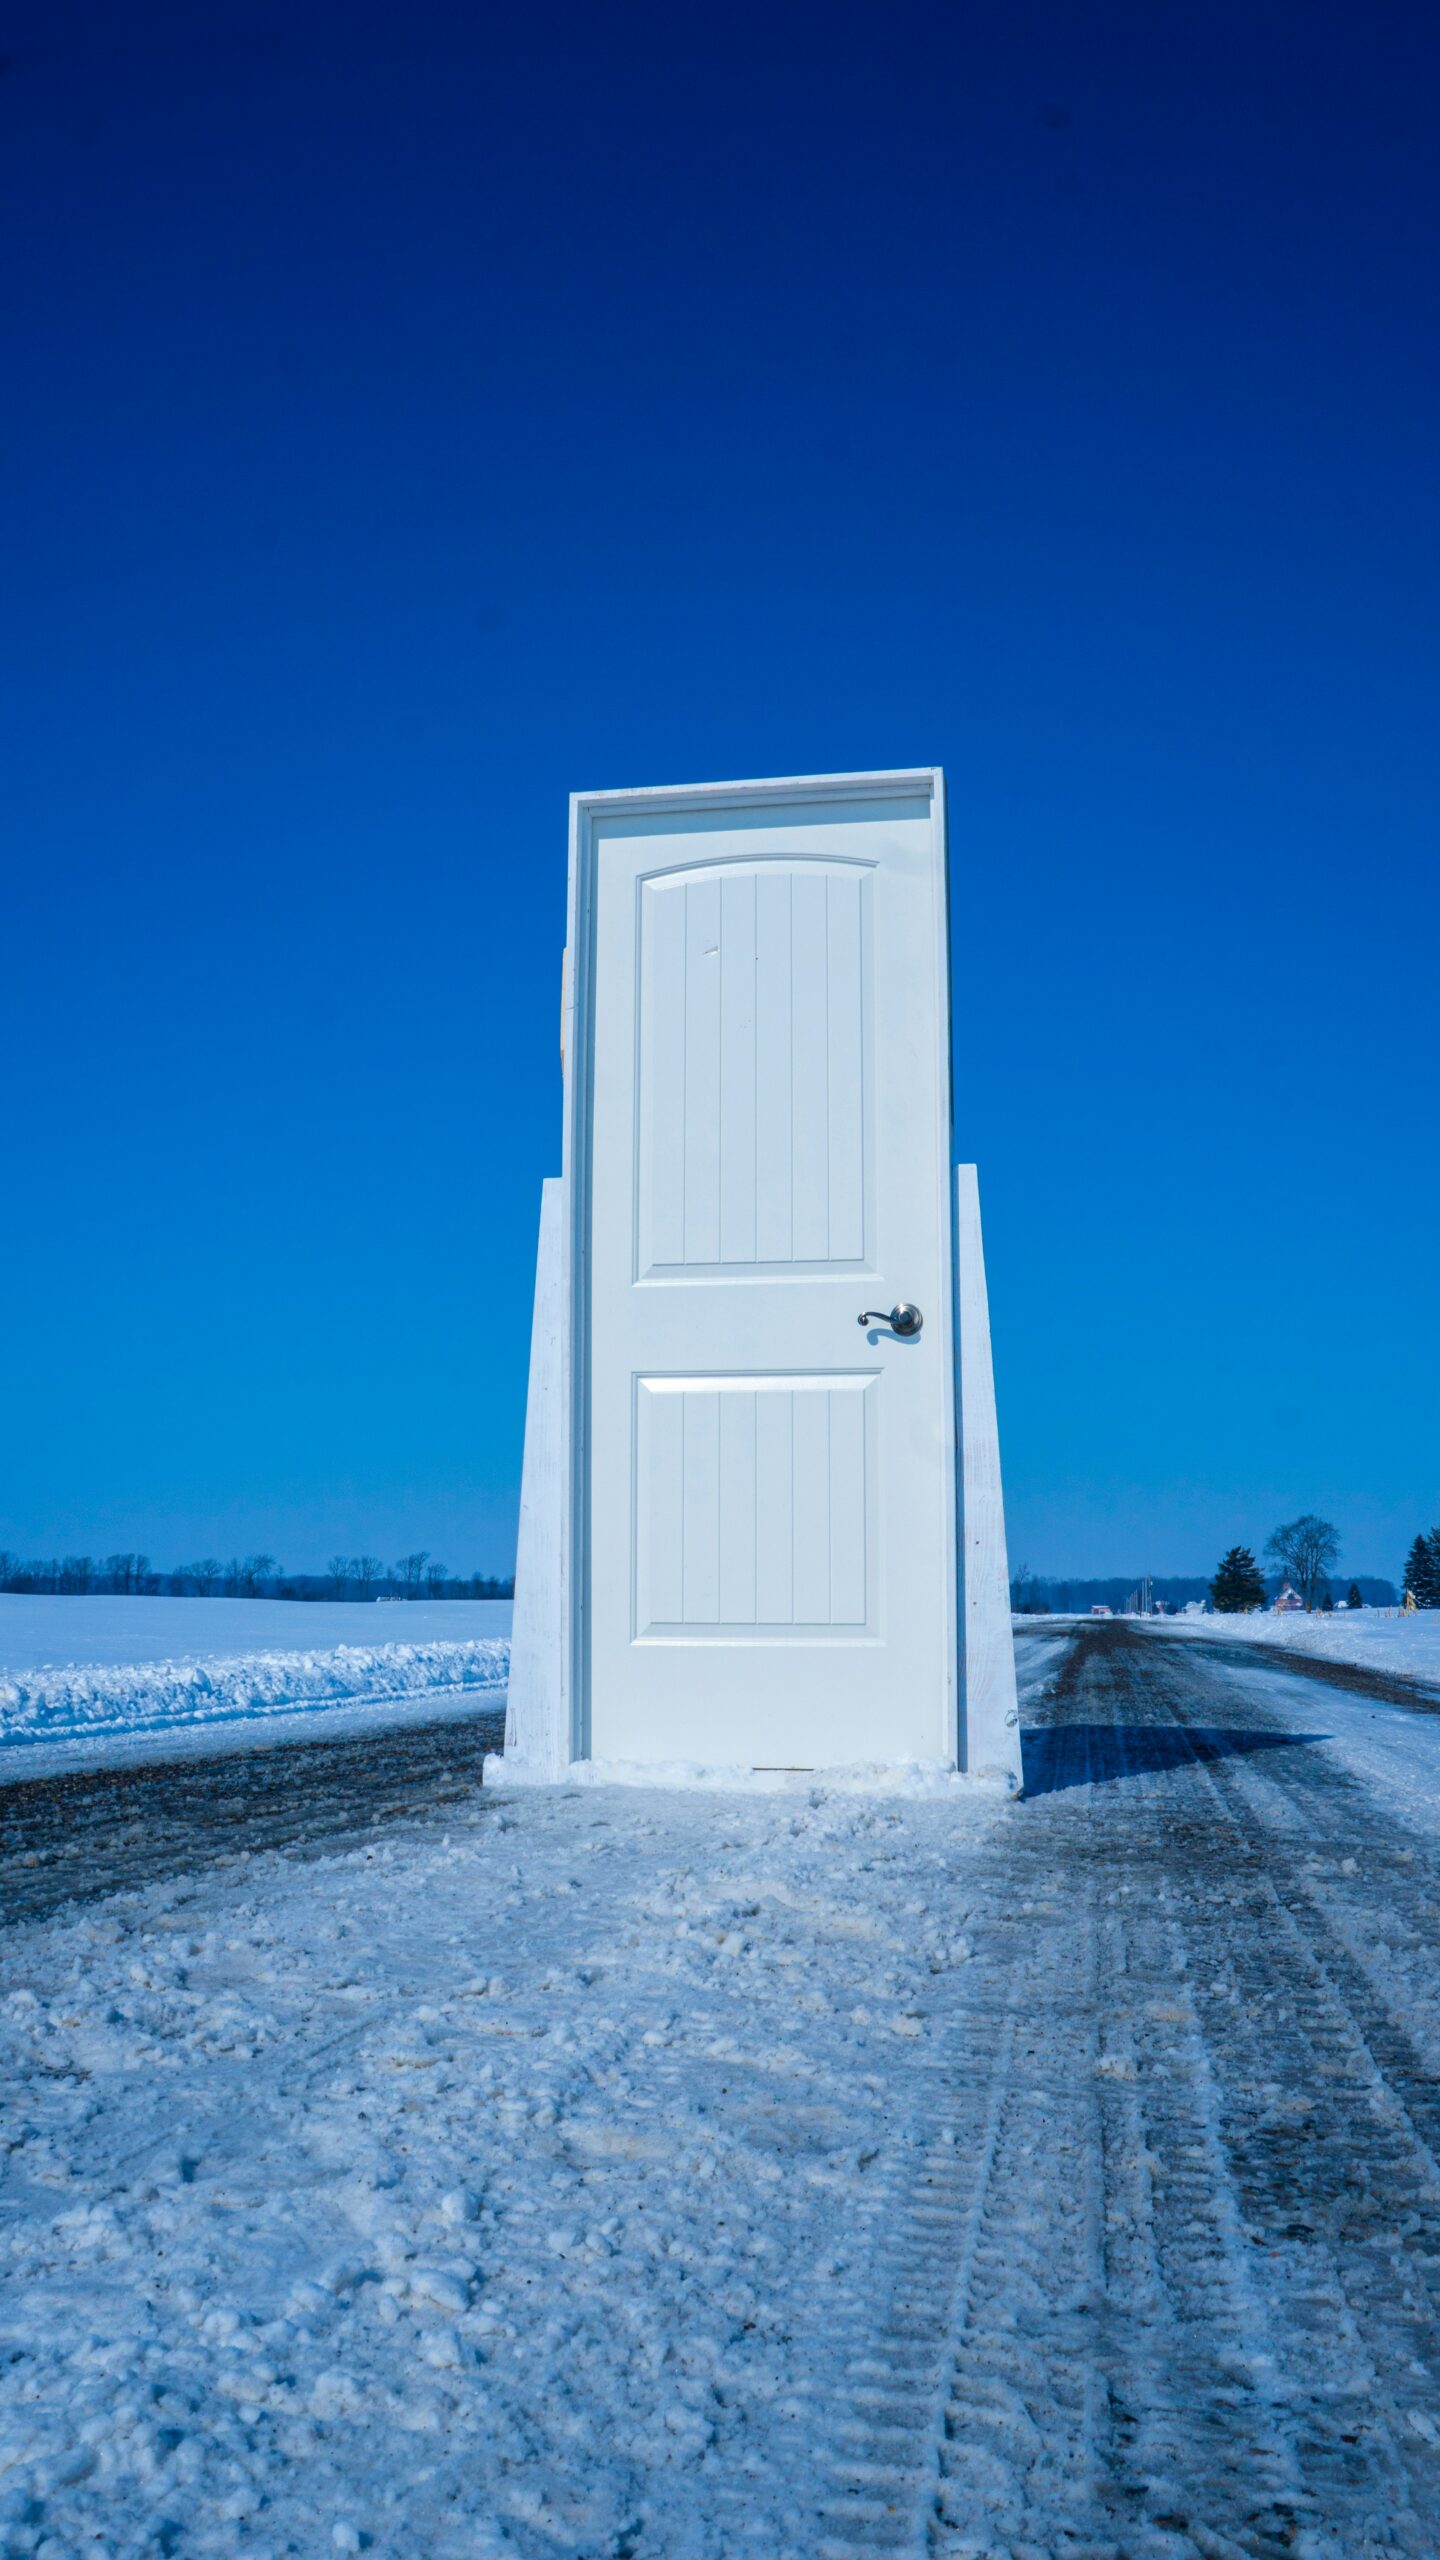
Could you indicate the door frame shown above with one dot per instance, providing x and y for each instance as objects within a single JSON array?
[{"x": 587, "y": 808}]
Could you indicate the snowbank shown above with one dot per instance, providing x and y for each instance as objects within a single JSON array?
[
  {"x": 1406, "y": 1647},
  {"x": 95, "y": 1701}
]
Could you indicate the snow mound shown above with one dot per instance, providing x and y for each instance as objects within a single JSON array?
[
  {"x": 75, "y": 1701},
  {"x": 1408, "y": 1646}
]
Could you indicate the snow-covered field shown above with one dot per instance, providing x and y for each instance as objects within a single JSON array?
[
  {"x": 40, "y": 1630},
  {"x": 1409, "y": 1646},
  {"x": 89, "y": 1680}
]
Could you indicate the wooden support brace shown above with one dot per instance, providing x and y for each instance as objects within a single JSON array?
[
  {"x": 989, "y": 1715},
  {"x": 537, "y": 1712}
]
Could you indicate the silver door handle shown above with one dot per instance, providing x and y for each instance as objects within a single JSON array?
[{"x": 904, "y": 1319}]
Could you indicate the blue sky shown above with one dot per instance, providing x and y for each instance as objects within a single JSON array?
[{"x": 424, "y": 413}]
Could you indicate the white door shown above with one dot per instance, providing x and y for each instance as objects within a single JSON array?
[{"x": 765, "y": 1530}]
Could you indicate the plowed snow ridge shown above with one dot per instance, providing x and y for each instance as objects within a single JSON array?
[{"x": 67, "y": 1701}]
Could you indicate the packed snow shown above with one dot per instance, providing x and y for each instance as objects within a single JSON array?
[
  {"x": 594, "y": 2173},
  {"x": 80, "y": 1681},
  {"x": 468, "y": 2194},
  {"x": 1394, "y": 1752}
]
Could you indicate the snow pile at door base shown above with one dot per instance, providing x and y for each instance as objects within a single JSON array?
[{"x": 861, "y": 1777}]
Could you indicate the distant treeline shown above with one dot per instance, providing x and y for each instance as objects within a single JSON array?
[
  {"x": 416, "y": 1577},
  {"x": 1035, "y": 1594}
]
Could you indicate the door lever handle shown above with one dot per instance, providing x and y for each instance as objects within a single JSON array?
[{"x": 904, "y": 1319}]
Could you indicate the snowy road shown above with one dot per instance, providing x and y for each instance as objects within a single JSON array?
[
  {"x": 1242, "y": 1973},
  {"x": 801, "y": 2176},
  {"x": 109, "y": 1830}
]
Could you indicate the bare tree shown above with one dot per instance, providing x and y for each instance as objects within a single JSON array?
[
  {"x": 180, "y": 1582},
  {"x": 254, "y": 1571},
  {"x": 77, "y": 1573},
  {"x": 9, "y": 1567},
  {"x": 436, "y": 1577},
  {"x": 206, "y": 1574},
  {"x": 339, "y": 1570},
  {"x": 120, "y": 1572},
  {"x": 1027, "y": 1593},
  {"x": 410, "y": 1571},
  {"x": 365, "y": 1572},
  {"x": 1305, "y": 1549}
]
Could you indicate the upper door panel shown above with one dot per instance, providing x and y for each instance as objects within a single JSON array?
[{"x": 755, "y": 1104}]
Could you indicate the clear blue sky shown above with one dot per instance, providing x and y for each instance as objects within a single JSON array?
[{"x": 415, "y": 413}]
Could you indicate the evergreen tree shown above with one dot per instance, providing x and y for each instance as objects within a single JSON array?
[
  {"x": 1329, "y": 1600},
  {"x": 1239, "y": 1583},
  {"x": 1422, "y": 1574},
  {"x": 1353, "y": 1599}
]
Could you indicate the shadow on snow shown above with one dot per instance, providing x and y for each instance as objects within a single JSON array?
[{"x": 1079, "y": 1755}]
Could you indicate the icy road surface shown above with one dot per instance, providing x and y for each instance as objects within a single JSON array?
[
  {"x": 802, "y": 2176},
  {"x": 72, "y": 1835}
]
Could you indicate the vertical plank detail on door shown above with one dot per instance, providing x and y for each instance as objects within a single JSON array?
[
  {"x": 810, "y": 1534},
  {"x": 660, "y": 1551},
  {"x": 755, "y": 1090},
  {"x": 662, "y": 1046},
  {"x": 739, "y": 1064},
  {"x": 737, "y": 1509},
  {"x": 774, "y": 1510},
  {"x": 700, "y": 1508},
  {"x": 774, "y": 1149},
  {"x": 702, "y": 1071},
  {"x": 844, "y": 1077},
  {"x": 809, "y": 1068},
  {"x": 846, "y": 1453},
  {"x": 754, "y": 1505}
]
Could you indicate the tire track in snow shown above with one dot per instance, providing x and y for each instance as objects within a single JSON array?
[
  {"x": 1339, "y": 2175},
  {"x": 1088, "y": 2410},
  {"x": 1270, "y": 2077},
  {"x": 938, "y": 2225},
  {"x": 1096, "y": 2346}
]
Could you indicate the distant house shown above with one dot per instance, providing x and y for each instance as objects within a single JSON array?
[
  {"x": 1286, "y": 1600},
  {"x": 1099, "y": 1610}
]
